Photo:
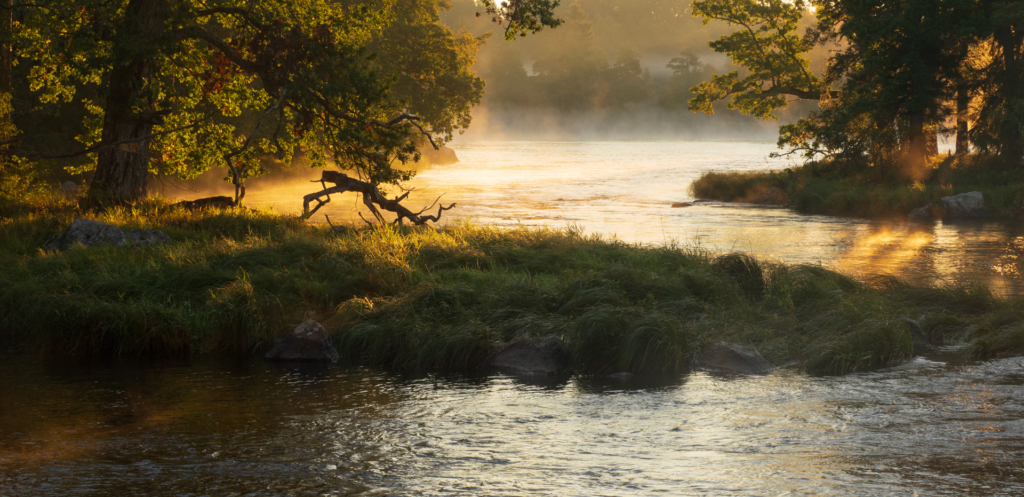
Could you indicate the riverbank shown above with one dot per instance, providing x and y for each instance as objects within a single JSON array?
[
  {"x": 836, "y": 189},
  {"x": 444, "y": 299}
]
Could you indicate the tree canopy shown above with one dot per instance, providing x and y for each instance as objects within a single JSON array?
[{"x": 180, "y": 86}]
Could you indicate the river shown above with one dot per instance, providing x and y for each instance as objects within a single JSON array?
[
  {"x": 216, "y": 426},
  {"x": 625, "y": 190},
  {"x": 212, "y": 425}
]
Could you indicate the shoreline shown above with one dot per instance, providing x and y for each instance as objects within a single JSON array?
[{"x": 445, "y": 299}]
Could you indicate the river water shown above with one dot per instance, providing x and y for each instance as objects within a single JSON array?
[
  {"x": 214, "y": 426},
  {"x": 625, "y": 190},
  {"x": 938, "y": 425}
]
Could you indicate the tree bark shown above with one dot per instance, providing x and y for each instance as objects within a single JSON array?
[
  {"x": 1011, "y": 128},
  {"x": 6, "y": 34},
  {"x": 963, "y": 144},
  {"x": 918, "y": 149},
  {"x": 121, "y": 171}
]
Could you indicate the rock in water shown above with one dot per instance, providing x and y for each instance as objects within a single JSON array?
[
  {"x": 724, "y": 357},
  {"x": 966, "y": 206},
  {"x": 921, "y": 214},
  {"x": 918, "y": 337},
  {"x": 441, "y": 157},
  {"x": 545, "y": 356},
  {"x": 308, "y": 342},
  {"x": 88, "y": 233},
  {"x": 69, "y": 189}
]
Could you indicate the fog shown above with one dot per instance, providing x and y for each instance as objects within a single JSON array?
[{"x": 615, "y": 70}]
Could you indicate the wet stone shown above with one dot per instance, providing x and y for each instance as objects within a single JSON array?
[
  {"x": 964, "y": 207},
  {"x": 535, "y": 356},
  {"x": 738, "y": 358},
  {"x": 308, "y": 342}
]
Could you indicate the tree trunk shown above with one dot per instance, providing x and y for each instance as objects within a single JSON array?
[
  {"x": 121, "y": 171},
  {"x": 918, "y": 149},
  {"x": 963, "y": 144},
  {"x": 6, "y": 56},
  {"x": 1011, "y": 128}
]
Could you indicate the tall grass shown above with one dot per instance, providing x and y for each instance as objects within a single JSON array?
[{"x": 446, "y": 298}]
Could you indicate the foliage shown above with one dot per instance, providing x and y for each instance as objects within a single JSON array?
[{"x": 223, "y": 83}]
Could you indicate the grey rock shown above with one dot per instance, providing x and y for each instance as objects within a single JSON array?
[
  {"x": 542, "y": 356},
  {"x": 144, "y": 238},
  {"x": 964, "y": 207},
  {"x": 69, "y": 189},
  {"x": 917, "y": 335},
  {"x": 771, "y": 196},
  {"x": 88, "y": 233},
  {"x": 725, "y": 357},
  {"x": 91, "y": 233},
  {"x": 921, "y": 214},
  {"x": 308, "y": 342}
]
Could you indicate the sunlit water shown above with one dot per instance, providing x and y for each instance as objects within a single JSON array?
[
  {"x": 626, "y": 189},
  {"x": 934, "y": 426}
]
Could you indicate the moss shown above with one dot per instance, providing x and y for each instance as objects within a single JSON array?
[{"x": 442, "y": 298}]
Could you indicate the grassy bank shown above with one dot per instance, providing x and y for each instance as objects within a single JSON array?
[
  {"x": 838, "y": 189},
  {"x": 426, "y": 299}
]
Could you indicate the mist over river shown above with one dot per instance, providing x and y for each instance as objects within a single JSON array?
[{"x": 625, "y": 190}]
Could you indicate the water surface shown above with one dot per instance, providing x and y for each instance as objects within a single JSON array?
[
  {"x": 935, "y": 426},
  {"x": 625, "y": 190}
]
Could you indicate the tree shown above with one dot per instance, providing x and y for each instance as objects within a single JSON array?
[{"x": 186, "y": 84}]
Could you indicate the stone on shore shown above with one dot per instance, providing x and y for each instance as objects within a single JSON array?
[
  {"x": 968, "y": 206},
  {"x": 738, "y": 358},
  {"x": 69, "y": 189},
  {"x": 534, "y": 356},
  {"x": 91, "y": 233},
  {"x": 308, "y": 342},
  {"x": 921, "y": 214}
]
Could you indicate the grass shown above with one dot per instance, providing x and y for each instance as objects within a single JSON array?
[
  {"x": 842, "y": 189},
  {"x": 444, "y": 299}
]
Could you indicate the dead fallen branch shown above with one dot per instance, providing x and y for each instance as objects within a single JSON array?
[{"x": 373, "y": 199}]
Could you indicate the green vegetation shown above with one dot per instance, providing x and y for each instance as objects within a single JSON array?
[
  {"x": 837, "y": 189},
  {"x": 442, "y": 299}
]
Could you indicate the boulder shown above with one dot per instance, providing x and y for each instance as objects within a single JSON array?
[
  {"x": 88, "y": 233},
  {"x": 724, "y": 357},
  {"x": 919, "y": 338},
  {"x": 771, "y": 196},
  {"x": 964, "y": 207},
  {"x": 681, "y": 204},
  {"x": 91, "y": 233},
  {"x": 921, "y": 214},
  {"x": 539, "y": 356},
  {"x": 144, "y": 238},
  {"x": 308, "y": 342},
  {"x": 69, "y": 189}
]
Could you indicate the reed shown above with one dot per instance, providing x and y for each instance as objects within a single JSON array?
[{"x": 443, "y": 298}]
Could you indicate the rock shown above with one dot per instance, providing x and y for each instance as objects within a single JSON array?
[
  {"x": 88, "y": 233},
  {"x": 921, "y": 214},
  {"x": 69, "y": 189},
  {"x": 145, "y": 238},
  {"x": 965, "y": 206},
  {"x": 917, "y": 335},
  {"x": 738, "y": 358},
  {"x": 308, "y": 342},
  {"x": 771, "y": 196},
  {"x": 543, "y": 356},
  {"x": 220, "y": 202},
  {"x": 91, "y": 233},
  {"x": 442, "y": 157},
  {"x": 681, "y": 204}
]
